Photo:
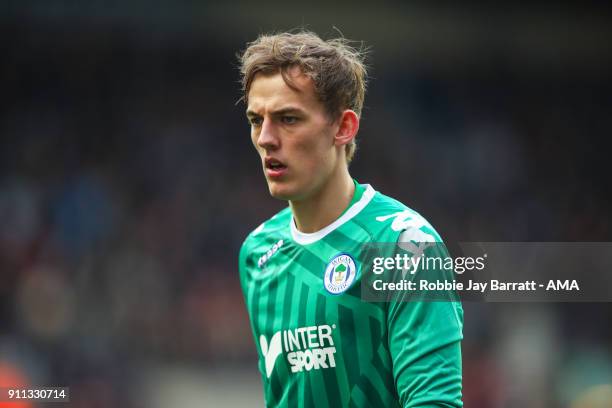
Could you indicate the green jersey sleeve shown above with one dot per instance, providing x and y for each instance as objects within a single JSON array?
[
  {"x": 425, "y": 348},
  {"x": 243, "y": 265}
]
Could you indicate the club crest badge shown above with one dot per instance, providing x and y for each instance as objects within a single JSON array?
[{"x": 340, "y": 274}]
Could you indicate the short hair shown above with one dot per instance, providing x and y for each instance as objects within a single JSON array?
[{"x": 337, "y": 69}]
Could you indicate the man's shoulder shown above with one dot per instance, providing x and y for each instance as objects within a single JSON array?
[
  {"x": 387, "y": 214},
  {"x": 274, "y": 226}
]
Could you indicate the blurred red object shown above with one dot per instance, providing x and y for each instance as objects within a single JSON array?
[{"x": 13, "y": 376}]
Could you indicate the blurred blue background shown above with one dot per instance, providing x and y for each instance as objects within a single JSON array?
[{"x": 128, "y": 182}]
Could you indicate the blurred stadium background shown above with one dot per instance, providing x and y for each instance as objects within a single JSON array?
[{"x": 128, "y": 182}]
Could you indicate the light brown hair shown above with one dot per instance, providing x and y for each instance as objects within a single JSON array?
[{"x": 337, "y": 69}]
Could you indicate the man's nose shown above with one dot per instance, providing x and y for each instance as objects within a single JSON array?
[{"x": 268, "y": 137}]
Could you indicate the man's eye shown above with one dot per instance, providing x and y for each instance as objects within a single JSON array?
[
  {"x": 289, "y": 120},
  {"x": 255, "y": 121}
]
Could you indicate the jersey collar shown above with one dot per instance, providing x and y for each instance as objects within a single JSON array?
[{"x": 304, "y": 238}]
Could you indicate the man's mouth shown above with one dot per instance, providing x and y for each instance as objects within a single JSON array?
[
  {"x": 274, "y": 164},
  {"x": 274, "y": 167}
]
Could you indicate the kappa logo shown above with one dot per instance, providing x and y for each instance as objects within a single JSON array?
[
  {"x": 405, "y": 220},
  {"x": 307, "y": 348},
  {"x": 412, "y": 238}
]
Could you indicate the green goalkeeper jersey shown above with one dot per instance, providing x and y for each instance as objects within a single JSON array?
[{"x": 319, "y": 343}]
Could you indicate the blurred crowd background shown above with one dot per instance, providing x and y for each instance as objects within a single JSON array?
[{"x": 128, "y": 182}]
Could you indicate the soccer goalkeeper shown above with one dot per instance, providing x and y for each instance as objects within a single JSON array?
[{"x": 319, "y": 344}]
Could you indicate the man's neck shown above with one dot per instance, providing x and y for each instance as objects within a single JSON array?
[{"x": 325, "y": 206}]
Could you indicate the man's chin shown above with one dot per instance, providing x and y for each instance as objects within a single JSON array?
[{"x": 281, "y": 191}]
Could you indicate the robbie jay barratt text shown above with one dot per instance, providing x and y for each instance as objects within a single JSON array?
[{"x": 493, "y": 285}]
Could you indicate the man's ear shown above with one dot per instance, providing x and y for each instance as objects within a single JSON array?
[{"x": 347, "y": 129}]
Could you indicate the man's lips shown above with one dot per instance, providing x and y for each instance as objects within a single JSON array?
[{"x": 274, "y": 167}]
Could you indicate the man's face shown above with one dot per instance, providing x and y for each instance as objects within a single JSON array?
[{"x": 292, "y": 134}]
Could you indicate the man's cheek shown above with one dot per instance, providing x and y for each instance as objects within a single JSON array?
[{"x": 312, "y": 150}]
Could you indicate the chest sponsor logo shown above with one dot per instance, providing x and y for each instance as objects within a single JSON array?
[
  {"x": 305, "y": 348},
  {"x": 340, "y": 273}
]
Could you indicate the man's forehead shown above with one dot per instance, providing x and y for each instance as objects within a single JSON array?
[{"x": 272, "y": 91}]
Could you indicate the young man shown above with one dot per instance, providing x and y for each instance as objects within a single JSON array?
[{"x": 319, "y": 343}]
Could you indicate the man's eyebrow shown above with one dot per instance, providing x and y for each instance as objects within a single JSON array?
[
  {"x": 289, "y": 109},
  {"x": 282, "y": 111}
]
